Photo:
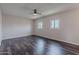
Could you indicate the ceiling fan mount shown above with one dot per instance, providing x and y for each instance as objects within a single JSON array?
[{"x": 35, "y": 11}]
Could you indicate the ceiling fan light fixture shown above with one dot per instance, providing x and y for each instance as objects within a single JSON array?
[{"x": 35, "y": 14}]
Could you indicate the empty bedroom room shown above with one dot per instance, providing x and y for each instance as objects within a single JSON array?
[{"x": 39, "y": 29}]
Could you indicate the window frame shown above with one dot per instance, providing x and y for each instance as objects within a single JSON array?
[
  {"x": 40, "y": 25},
  {"x": 54, "y": 24}
]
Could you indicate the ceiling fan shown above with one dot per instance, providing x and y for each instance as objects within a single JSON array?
[{"x": 35, "y": 12}]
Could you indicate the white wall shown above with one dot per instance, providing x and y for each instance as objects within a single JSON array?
[
  {"x": 0, "y": 27},
  {"x": 13, "y": 26},
  {"x": 69, "y": 27}
]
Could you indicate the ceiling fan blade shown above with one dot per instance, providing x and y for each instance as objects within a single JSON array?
[{"x": 39, "y": 13}]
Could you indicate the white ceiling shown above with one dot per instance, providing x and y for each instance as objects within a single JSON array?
[{"x": 25, "y": 9}]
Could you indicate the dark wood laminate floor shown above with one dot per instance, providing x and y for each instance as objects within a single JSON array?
[{"x": 32, "y": 45}]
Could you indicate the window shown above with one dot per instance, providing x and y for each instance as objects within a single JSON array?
[
  {"x": 55, "y": 24},
  {"x": 52, "y": 24},
  {"x": 40, "y": 25}
]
